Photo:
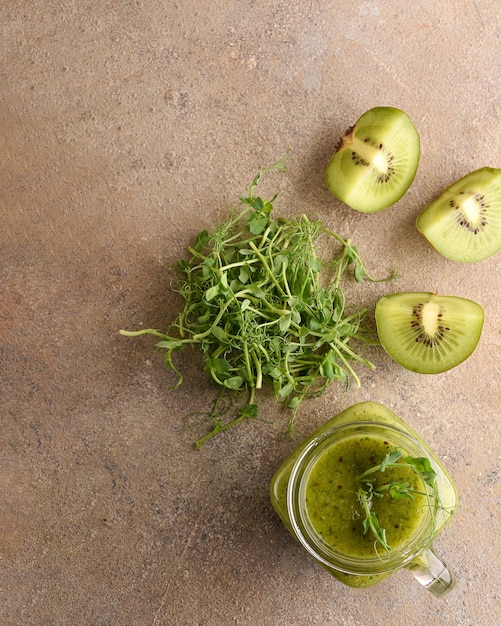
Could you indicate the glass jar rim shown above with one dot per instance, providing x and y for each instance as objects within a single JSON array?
[{"x": 311, "y": 540}]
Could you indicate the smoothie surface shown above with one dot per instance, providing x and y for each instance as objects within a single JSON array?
[{"x": 333, "y": 507}]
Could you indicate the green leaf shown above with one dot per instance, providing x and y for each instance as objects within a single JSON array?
[
  {"x": 365, "y": 525},
  {"x": 379, "y": 532},
  {"x": 351, "y": 254},
  {"x": 236, "y": 285},
  {"x": 295, "y": 316},
  {"x": 316, "y": 265},
  {"x": 284, "y": 323},
  {"x": 391, "y": 457},
  {"x": 221, "y": 366},
  {"x": 268, "y": 205},
  {"x": 359, "y": 272},
  {"x": 235, "y": 382},
  {"x": 243, "y": 275},
  {"x": 400, "y": 491},
  {"x": 294, "y": 403},
  {"x": 286, "y": 390},
  {"x": 249, "y": 410},
  {"x": 201, "y": 240},
  {"x": 423, "y": 466},
  {"x": 314, "y": 325},
  {"x": 220, "y": 334},
  {"x": 212, "y": 292},
  {"x": 327, "y": 369},
  {"x": 257, "y": 226},
  {"x": 255, "y": 290},
  {"x": 280, "y": 262},
  {"x": 345, "y": 330},
  {"x": 272, "y": 372},
  {"x": 257, "y": 204}
]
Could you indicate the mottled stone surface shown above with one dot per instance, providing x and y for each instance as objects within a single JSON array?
[{"x": 126, "y": 127}]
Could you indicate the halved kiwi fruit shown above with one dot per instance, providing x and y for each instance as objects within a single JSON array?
[
  {"x": 428, "y": 333},
  {"x": 375, "y": 161},
  {"x": 464, "y": 223}
]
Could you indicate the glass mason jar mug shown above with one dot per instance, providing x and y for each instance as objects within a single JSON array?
[{"x": 365, "y": 496}]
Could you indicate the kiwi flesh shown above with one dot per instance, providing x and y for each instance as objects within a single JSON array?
[
  {"x": 464, "y": 223},
  {"x": 428, "y": 333},
  {"x": 375, "y": 161}
]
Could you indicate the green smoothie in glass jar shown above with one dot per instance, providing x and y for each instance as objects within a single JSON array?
[{"x": 366, "y": 496}]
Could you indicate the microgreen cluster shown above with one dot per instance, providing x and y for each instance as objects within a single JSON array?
[
  {"x": 258, "y": 304},
  {"x": 368, "y": 491}
]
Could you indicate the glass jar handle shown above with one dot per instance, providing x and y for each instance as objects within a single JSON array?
[{"x": 430, "y": 572}]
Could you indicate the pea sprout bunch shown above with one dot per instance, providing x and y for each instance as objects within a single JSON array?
[{"x": 261, "y": 305}]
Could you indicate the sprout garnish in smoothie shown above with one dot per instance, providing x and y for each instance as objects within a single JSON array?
[{"x": 399, "y": 490}]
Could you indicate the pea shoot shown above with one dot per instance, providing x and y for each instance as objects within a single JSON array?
[
  {"x": 261, "y": 305},
  {"x": 400, "y": 490}
]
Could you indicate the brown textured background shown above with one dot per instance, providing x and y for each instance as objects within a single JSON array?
[{"x": 126, "y": 127}]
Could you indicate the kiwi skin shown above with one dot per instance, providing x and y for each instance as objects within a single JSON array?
[
  {"x": 375, "y": 161},
  {"x": 464, "y": 223},
  {"x": 427, "y": 333}
]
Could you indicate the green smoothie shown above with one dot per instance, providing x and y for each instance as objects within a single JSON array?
[
  {"x": 335, "y": 511},
  {"x": 315, "y": 492}
]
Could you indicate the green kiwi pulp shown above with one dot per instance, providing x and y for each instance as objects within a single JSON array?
[
  {"x": 427, "y": 333},
  {"x": 376, "y": 160},
  {"x": 464, "y": 223}
]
